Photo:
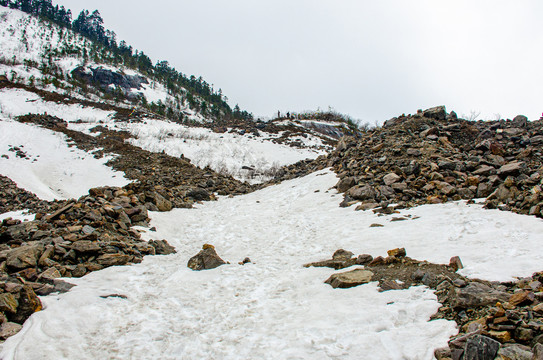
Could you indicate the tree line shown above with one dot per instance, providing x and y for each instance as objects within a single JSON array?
[{"x": 91, "y": 26}]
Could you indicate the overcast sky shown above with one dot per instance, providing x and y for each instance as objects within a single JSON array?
[{"x": 370, "y": 59}]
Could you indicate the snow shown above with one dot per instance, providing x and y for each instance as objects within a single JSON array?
[
  {"x": 225, "y": 152},
  {"x": 16, "y": 102},
  {"x": 52, "y": 170},
  {"x": 274, "y": 308},
  {"x": 18, "y": 215}
]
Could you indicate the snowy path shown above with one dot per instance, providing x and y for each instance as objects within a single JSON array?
[{"x": 275, "y": 308}]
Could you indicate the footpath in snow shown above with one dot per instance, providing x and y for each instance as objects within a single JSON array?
[{"x": 274, "y": 308}]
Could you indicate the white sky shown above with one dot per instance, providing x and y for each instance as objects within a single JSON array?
[{"x": 370, "y": 59}]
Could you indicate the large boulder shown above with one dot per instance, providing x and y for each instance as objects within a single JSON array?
[
  {"x": 25, "y": 256},
  {"x": 350, "y": 279},
  {"x": 206, "y": 259},
  {"x": 437, "y": 113}
]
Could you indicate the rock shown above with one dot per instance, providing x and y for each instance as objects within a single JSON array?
[
  {"x": 87, "y": 230},
  {"x": 520, "y": 121},
  {"x": 29, "y": 303},
  {"x": 25, "y": 256},
  {"x": 349, "y": 279},
  {"x": 9, "y": 329},
  {"x": 342, "y": 254},
  {"x": 8, "y": 303},
  {"x": 391, "y": 178},
  {"x": 364, "y": 259},
  {"x": 514, "y": 352},
  {"x": 245, "y": 261},
  {"x": 161, "y": 203},
  {"x": 113, "y": 259},
  {"x": 390, "y": 285},
  {"x": 501, "y": 336},
  {"x": 513, "y": 168},
  {"x": 437, "y": 113},
  {"x": 86, "y": 246},
  {"x": 538, "y": 352},
  {"x": 199, "y": 194},
  {"x": 365, "y": 192},
  {"x": 206, "y": 259},
  {"x": 162, "y": 247},
  {"x": 475, "y": 294},
  {"x": 345, "y": 184},
  {"x": 480, "y": 347},
  {"x": 399, "y": 252},
  {"x": 49, "y": 275},
  {"x": 520, "y": 298},
  {"x": 456, "y": 263}
]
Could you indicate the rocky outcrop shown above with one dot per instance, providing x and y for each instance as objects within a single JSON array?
[{"x": 105, "y": 79}]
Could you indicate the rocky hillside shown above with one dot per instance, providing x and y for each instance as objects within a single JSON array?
[{"x": 434, "y": 157}]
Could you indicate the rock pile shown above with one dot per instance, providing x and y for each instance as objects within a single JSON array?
[
  {"x": 433, "y": 157},
  {"x": 180, "y": 183},
  {"x": 76, "y": 238},
  {"x": 496, "y": 320},
  {"x": 12, "y": 198}
]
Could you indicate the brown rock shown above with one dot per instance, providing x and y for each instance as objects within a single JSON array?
[
  {"x": 398, "y": 252},
  {"x": 9, "y": 329},
  {"x": 113, "y": 259},
  {"x": 456, "y": 263},
  {"x": 206, "y": 259},
  {"x": 350, "y": 279},
  {"x": 519, "y": 298}
]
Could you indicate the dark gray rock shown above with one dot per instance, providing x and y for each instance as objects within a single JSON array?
[{"x": 480, "y": 347}]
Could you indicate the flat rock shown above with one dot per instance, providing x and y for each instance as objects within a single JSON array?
[
  {"x": 9, "y": 329},
  {"x": 350, "y": 279}
]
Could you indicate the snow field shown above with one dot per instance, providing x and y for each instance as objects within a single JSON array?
[
  {"x": 274, "y": 308},
  {"x": 53, "y": 170},
  {"x": 225, "y": 152}
]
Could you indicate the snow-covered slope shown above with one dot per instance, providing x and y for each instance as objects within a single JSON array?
[
  {"x": 274, "y": 308},
  {"x": 225, "y": 152},
  {"x": 50, "y": 168},
  {"x": 42, "y": 54}
]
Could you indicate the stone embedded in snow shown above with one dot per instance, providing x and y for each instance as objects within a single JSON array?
[
  {"x": 350, "y": 279},
  {"x": 29, "y": 303},
  {"x": 390, "y": 179},
  {"x": 456, "y": 263},
  {"x": 8, "y": 329},
  {"x": 399, "y": 252},
  {"x": 206, "y": 259},
  {"x": 162, "y": 247},
  {"x": 199, "y": 194}
]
